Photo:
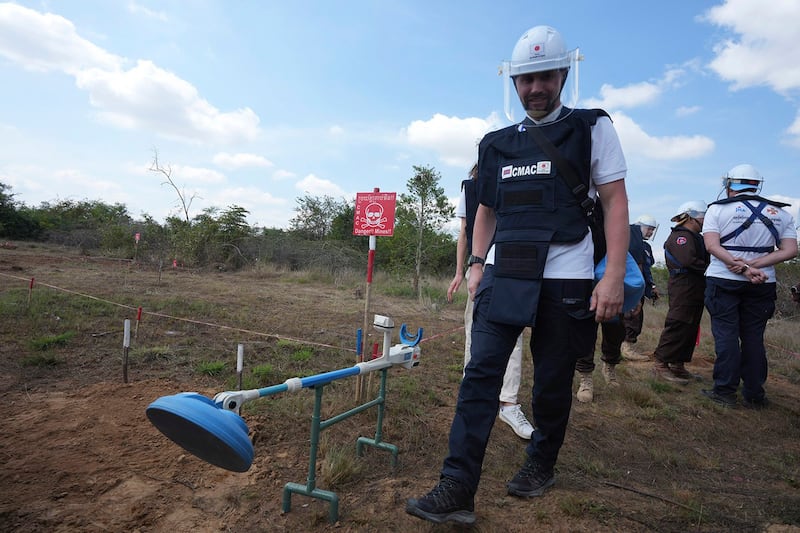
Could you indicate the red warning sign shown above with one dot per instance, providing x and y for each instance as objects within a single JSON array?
[{"x": 374, "y": 214}]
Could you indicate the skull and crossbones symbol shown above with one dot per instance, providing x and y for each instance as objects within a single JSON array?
[{"x": 373, "y": 217}]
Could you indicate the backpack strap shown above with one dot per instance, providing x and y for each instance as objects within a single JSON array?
[{"x": 757, "y": 212}]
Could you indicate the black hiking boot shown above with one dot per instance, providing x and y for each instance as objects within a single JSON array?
[
  {"x": 448, "y": 501},
  {"x": 531, "y": 480},
  {"x": 759, "y": 404},
  {"x": 725, "y": 400}
]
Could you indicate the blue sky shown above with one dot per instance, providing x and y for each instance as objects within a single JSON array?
[{"x": 258, "y": 103}]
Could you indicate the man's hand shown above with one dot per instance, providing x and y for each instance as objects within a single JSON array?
[
  {"x": 654, "y": 295},
  {"x": 607, "y": 298},
  {"x": 454, "y": 285},
  {"x": 475, "y": 275},
  {"x": 755, "y": 275}
]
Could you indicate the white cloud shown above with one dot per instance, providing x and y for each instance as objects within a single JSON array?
[
  {"x": 765, "y": 51},
  {"x": 138, "y": 9},
  {"x": 75, "y": 180},
  {"x": 794, "y": 132},
  {"x": 265, "y": 210},
  {"x": 638, "y": 94},
  {"x": 25, "y": 177},
  {"x": 47, "y": 42},
  {"x": 635, "y": 141},
  {"x": 634, "y": 95},
  {"x": 181, "y": 173},
  {"x": 454, "y": 139},
  {"x": 280, "y": 175},
  {"x": 240, "y": 160},
  {"x": 311, "y": 184},
  {"x": 143, "y": 97},
  {"x": 685, "y": 111},
  {"x": 151, "y": 98}
]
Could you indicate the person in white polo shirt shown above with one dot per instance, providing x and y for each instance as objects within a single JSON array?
[{"x": 746, "y": 235}]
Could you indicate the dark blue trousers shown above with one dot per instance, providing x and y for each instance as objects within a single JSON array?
[
  {"x": 564, "y": 330},
  {"x": 739, "y": 312},
  {"x": 610, "y": 346}
]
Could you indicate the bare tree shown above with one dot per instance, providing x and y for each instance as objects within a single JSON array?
[{"x": 185, "y": 202}]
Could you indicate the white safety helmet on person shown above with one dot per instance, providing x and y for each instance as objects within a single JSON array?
[
  {"x": 648, "y": 221},
  {"x": 692, "y": 209},
  {"x": 743, "y": 177},
  {"x": 540, "y": 49}
]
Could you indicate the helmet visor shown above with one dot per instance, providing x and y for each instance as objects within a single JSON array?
[
  {"x": 568, "y": 94},
  {"x": 738, "y": 184}
]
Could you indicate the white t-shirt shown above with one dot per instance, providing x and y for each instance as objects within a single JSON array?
[
  {"x": 576, "y": 260},
  {"x": 726, "y": 218},
  {"x": 461, "y": 209}
]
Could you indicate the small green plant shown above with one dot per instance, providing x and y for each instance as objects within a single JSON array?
[
  {"x": 458, "y": 368},
  {"x": 302, "y": 355},
  {"x": 641, "y": 397},
  {"x": 41, "y": 360},
  {"x": 572, "y": 505},
  {"x": 149, "y": 354},
  {"x": 45, "y": 343},
  {"x": 542, "y": 516},
  {"x": 340, "y": 467},
  {"x": 455, "y": 373},
  {"x": 285, "y": 343},
  {"x": 211, "y": 368},
  {"x": 660, "y": 387},
  {"x": 663, "y": 412},
  {"x": 400, "y": 291},
  {"x": 593, "y": 467},
  {"x": 263, "y": 373}
]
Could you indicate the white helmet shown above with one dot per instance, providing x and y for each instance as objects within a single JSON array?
[
  {"x": 649, "y": 221},
  {"x": 541, "y": 48},
  {"x": 690, "y": 209},
  {"x": 743, "y": 177}
]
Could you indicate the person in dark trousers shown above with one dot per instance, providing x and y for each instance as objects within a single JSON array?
[
  {"x": 687, "y": 260},
  {"x": 533, "y": 235},
  {"x": 613, "y": 332},
  {"x": 634, "y": 320},
  {"x": 746, "y": 235}
]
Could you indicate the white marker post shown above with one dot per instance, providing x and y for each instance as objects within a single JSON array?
[
  {"x": 239, "y": 363},
  {"x": 126, "y": 344}
]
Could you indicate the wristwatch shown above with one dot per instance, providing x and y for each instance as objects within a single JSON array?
[{"x": 471, "y": 260}]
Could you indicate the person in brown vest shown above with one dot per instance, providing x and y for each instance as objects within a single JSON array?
[{"x": 686, "y": 259}]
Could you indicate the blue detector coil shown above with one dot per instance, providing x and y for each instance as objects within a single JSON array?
[{"x": 197, "y": 425}]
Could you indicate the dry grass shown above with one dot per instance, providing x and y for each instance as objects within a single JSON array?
[{"x": 647, "y": 456}]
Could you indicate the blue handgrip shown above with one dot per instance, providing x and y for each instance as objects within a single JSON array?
[{"x": 410, "y": 341}]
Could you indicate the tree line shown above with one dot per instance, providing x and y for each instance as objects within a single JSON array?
[{"x": 319, "y": 235}]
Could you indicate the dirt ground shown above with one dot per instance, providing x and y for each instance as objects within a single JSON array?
[{"x": 78, "y": 453}]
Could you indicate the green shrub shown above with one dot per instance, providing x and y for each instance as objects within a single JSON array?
[
  {"x": 45, "y": 343},
  {"x": 211, "y": 368}
]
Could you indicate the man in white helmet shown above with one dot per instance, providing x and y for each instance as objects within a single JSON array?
[
  {"x": 532, "y": 233},
  {"x": 687, "y": 260},
  {"x": 634, "y": 320},
  {"x": 746, "y": 235}
]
